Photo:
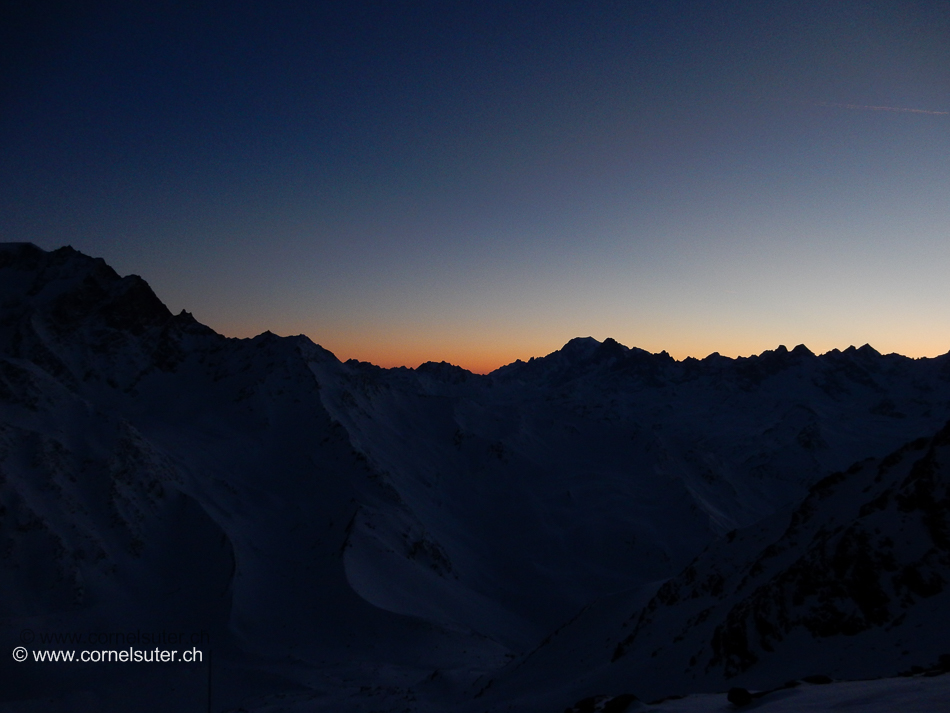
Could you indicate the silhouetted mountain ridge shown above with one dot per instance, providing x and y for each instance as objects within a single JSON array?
[{"x": 377, "y": 524}]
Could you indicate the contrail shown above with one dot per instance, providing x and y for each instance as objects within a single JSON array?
[{"x": 880, "y": 108}]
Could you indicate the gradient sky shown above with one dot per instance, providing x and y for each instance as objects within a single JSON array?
[{"x": 478, "y": 182}]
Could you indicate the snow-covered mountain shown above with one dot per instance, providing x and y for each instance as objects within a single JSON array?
[
  {"x": 852, "y": 583},
  {"x": 356, "y": 538}
]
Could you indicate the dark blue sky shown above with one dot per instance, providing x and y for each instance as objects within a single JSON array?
[{"x": 478, "y": 182}]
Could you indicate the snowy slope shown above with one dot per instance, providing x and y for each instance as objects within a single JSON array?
[
  {"x": 918, "y": 694},
  {"x": 851, "y": 583},
  {"x": 362, "y": 538},
  {"x": 641, "y": 472},
  {"x": 157, "y": 475}
]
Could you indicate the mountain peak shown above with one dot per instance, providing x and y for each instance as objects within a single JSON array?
[
  {"x": 444, "y": 371},
  {"x": 69, "y": 287},
  {"x": 580, "y": 345}
]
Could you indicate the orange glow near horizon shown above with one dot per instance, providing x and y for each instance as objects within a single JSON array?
[
  {"x": 488, "y": 362},
  {"x": 479, "y": 359},
  {"x": 679, "y": 325},
  {"x": 484, "y": 355}
]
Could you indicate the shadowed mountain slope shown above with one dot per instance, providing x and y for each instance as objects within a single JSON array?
[
  {"x": 369, "y": 538},
  {"x": 852, "y": 583}
]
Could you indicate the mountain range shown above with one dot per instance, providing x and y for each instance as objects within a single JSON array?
[{"x": 600, "y": 520}]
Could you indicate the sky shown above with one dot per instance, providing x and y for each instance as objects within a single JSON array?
[{"x": 479, "y": 182}]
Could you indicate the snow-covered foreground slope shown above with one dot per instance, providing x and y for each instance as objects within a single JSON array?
[
  {"x": 354, "y": 538},
  {"x": 906, "y": 695},
  {"x": 854, "y": 582}
]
